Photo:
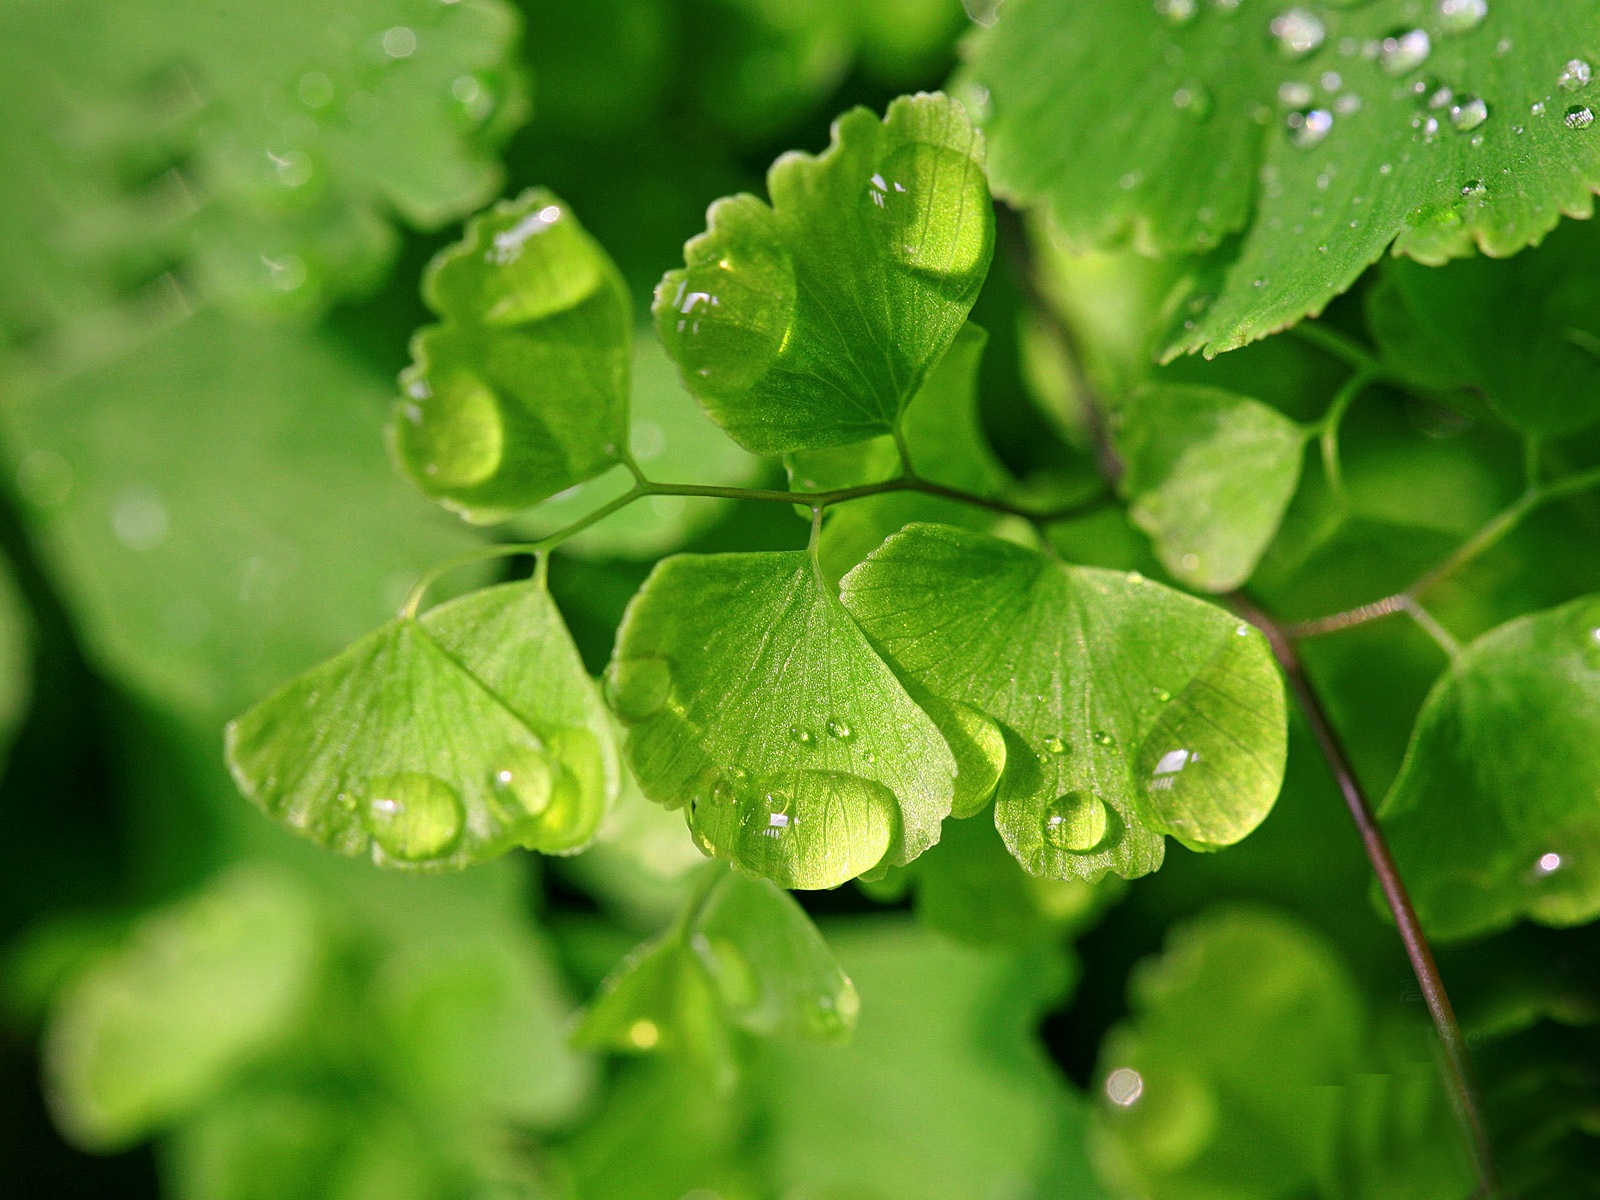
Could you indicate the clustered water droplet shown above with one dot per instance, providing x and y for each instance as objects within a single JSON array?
[
  {"x": 1579, "y": 116},
  {"x": 1576, "y": 74},
  {"x": 1308, "y": 127}
]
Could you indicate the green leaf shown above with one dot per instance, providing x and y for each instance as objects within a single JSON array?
[
  {"x": 16, "y": 657},
  {"x": 522, "y": 392},
  {"x": 1493, "y": 816},
  {"x": 1525, "y": 332},
  {"x": 215, "y": 508},
  {"x": 1129, "y": 710},
  {"x": 1218, "y": 1085},
  {"x": 755, "y": 702},
  {"x": 943, "y": 1093},
  {"x": 673, "y": 441},
  {"x": 1295, "y": 144},
  {"x": 945, "y": 439},
  {"x": 1209, "y": 475},
  {"x": 813, "y": 322},
  {"x": 199, "y": 990},
  {"x": 438, "y": 742}
]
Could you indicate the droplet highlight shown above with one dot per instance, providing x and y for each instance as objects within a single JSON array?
[
  {"x": 1077, "y": 823},
  {"x": 413, "y": 817},
  {"x": 638, "y": 688}
]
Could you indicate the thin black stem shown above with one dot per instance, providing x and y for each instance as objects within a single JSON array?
[{"x": 1458, "y": 1067}]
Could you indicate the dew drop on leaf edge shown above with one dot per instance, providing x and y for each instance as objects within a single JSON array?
[{"x": 413, "y": 817}]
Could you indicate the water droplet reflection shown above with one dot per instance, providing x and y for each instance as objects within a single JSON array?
[{"x": 1124, "y": 1086}]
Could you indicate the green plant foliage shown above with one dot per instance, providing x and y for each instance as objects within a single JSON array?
[
  {"x": 1493, "y": 816},
  {"x": 522, "y": 392},
  {"x": 814, "y": 321},
  {"x": 1209, "y": 474},
  {"x": 478, "y": 730},
  {"x": 1129, "y": 710},
  {"x": 1324, "y": 133},
  {"x": 1524, "y": 332},
  {"x": 756, "y": 704},
  {"x": 200, "y": 987}
]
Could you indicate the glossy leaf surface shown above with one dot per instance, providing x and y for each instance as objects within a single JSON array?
[
  {"x": 1129, "y": 710},
  {"x": 1324, "y": 135},
  {"x": 1493, "y": 817},
  {"x": 522, "y": 392},
  {"x": 813, "y": 321},
  {"x": 440, "y": 741},
  {"x": 1209, "y": 474},
  {"x": 756, "y": 704}
]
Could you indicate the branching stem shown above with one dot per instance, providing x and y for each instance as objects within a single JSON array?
[{"x": 1458, "y": 1068}]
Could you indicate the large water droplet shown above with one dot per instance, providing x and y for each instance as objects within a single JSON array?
[
  {"x": 1404, "y": 51},
  {"x": 522, "y": 784},
  {"x": 1309, "y": 127},
  {"x": 932, "y": 202},
  {"x": 1458, "y": 16},
  {"x": 1077, "y": 822},
  {"x": 455, "y": 437},
  {"x": 1468, "y": 112},
  {"x": 1298, "y": 31},
  {"x": 1576, "y": 74},
  {"x": 638, "y": 688},
  {"x": 577, "y": 792},
  {"x": 726, "y": 316},
  {"x": 1124, "y": 1086},
  {"x": 1579, "y": 116},
  {"x": 979, "y": 749},
  {"x": 413, "y": 817}
]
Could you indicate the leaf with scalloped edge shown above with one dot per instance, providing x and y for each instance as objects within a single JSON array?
[
  {"x": 756, "y": 704},
  {"x": 1129, "y": 710},
  {"x": 522, "y": 391},
  {"x": 1294, "y": 143},
  {"x": 1493, "y": 816},
  {"x": 1209, "y": 475},
  {"x": 1525, "y": 332},
  {"x": 813, "y": 321},
  {"x": 438, "y": 741}
]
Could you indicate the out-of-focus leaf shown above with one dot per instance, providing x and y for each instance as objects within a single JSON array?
[
  {"x": 522, "y": 392},
  {"x": 1209, "y": 474},
  {"x": 814, "y": 321},
  {"x": 1493, "y": 816},
  {"x": 198, "y": 991},
  {"x": 755, "y": 702},
  {"x": 439, "y": 741},
  {"x": 1128, "y": 710}
]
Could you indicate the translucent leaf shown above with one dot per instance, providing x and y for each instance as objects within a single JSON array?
[
  {"x": 1129, "y": 710},
  {"x": 947, "y": 445},
  {"x": 943, "y": 1093},
  {"x": 1298, "y": 143},
  {"x": 522, "y": 392},
  {"x": 438, "y": 742},
  {"x": 756, "y": 703},
  {"x": 15, "y": 657},
  {"x": 1524, "y": 332},
  {"x": 216, "y": 510},
  {"x": 266, "y": 150},
  {"x": 1209, "y": 474},
  {"x": 1493, "y": 815},
  {"x": 813, "y": 322},
  {"x": 1218, "y": 1085},
  {"x": 198, "y": 990}
]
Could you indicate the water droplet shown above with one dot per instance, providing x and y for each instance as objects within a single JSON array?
[
  {"x": 980, "y": 753},
  {"x": 930, "y": 202},
  {"x": 1549, "y": 863},
  {"x": 726, "y": 316},
  {"x": 474, "y": 98},
  {"x": 1579, "y": 116},
  {"x": 455, "y": 437},
  {"x": 638, "y": 688},
  {"x": 840, "y": 729},
  {"x": 292, "y": 168},
  {"x": 1468, "y": 113},
  {"x": 1331, "y": 81},
  {"x": 413, "y": 817},
  {"x": 1309, "y": 127},
  {"x": 139, "y": 518},
  {"x": 1129, "y": 180},
  {"x": 1077, "y": 823},
  {"x": 1346, "y": 104},
  {"x": 1193, "y": 99},
  {"x": 399, "y": 42},
  {"x": 1441, "y": 97},
  {"x": 1576, "y": 74},
  {"x": 1055, "y": 745},
  {"x": 522, "y": 784},
  {"x": 1298, "y": 31},
  {"x": 1537, "y": 108},
  {"x": 1295, "y": 94},
  {"x": 1179, "y": 12},
  {"x": 1474, "y": 189},
  {"x": 1458, "y": 16},
  {"x": 643, "y": 1034},
  {"x": 729, "y": 787},
  {"x": 801, "y": 735},
  {"x": 1124, "y": 1086},
  {"x": 315, "y": 90},
  {"x": 1589, "y": 632},
  {"x": 1404, "y": 51},
  {"x": 1102, "y": 738}
]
